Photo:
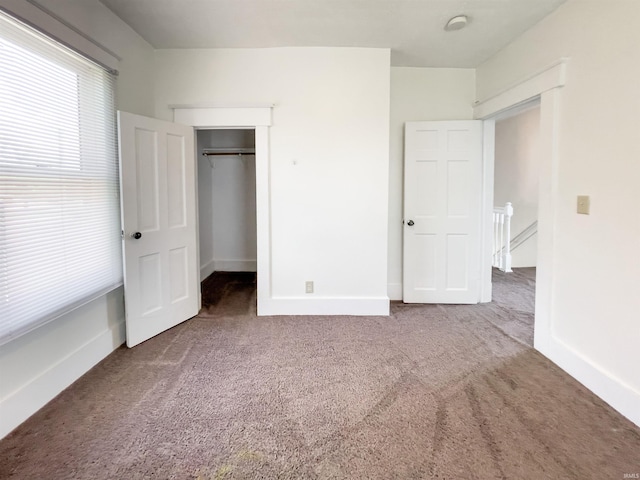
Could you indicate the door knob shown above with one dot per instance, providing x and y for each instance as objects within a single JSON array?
[
  {"x": 410, "y": 223},
  {"x": 136, "y": 235}
]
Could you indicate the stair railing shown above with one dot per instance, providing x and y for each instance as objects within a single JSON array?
[
  {"x": 524, "y": 235},
  {"x": 502, "y": 237}
]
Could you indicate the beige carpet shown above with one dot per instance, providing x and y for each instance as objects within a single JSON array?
[{"x": 430, "y": 392}]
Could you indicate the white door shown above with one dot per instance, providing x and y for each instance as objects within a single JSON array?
[
  {"x": 442, "y": 199},
  {"x": 158, "y": 188}
]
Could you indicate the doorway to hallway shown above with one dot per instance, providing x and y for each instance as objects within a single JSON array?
[{"x": 516, "y": 183}]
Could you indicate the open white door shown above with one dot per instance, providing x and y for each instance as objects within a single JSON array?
[
  {"x": 442, "y": 199},
  {"x": 158, "y": 188}
]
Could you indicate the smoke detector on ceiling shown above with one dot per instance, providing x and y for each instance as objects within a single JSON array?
[{"x": 456, "y": 23}]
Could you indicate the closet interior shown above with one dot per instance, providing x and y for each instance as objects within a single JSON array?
[{"x": 226, "y": 200}]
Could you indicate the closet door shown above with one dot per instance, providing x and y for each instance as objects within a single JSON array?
[{"x": 157, "y": 177}]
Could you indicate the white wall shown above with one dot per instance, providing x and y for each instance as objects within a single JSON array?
[
  {"x": 516, "y": 177},
  {"x": 418, "y": 94},
  {"x": 594, "y": 332},
  {"x": 328, "y": 162},
  {"x": 227, "y": 203},
  {"x": 39, "y": 365}
]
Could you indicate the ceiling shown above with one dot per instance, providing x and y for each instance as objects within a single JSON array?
[{"x": 413, "y": 29}]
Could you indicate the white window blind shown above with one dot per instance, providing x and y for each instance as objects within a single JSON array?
[{"x": 59, "y": 194}]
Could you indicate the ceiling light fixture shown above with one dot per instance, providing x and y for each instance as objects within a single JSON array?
[{"x": 456, "y": 23}]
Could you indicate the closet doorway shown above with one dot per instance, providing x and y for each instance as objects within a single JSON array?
[{"x": 226, "y": 213}]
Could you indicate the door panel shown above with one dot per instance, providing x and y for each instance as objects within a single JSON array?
[
  {"x": 443, "y": 167},
  {"x": 178, "y": 271},
  {"x": 158, "y": 201},
  {"x": 177, "y": 196},
  {"x": 145, "y": 157}
]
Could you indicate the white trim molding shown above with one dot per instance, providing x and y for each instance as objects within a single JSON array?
[
  {"x": 203, "y": 116},
  {"x": 175, "y": 106},
  {"x": 227, "y": 266},
  {"x": 356, "y": 306},
  {"x": 206, "y": 270},
  {"x": 547, "y": 84},
  {"x": 616, "y": 393},
  {"x": 394, "y": 291},
  {"x": 486, "y": 219},
  {"x": 235, "y": 265},
  {"x": 548, "y": 78},
  {"x": 227, "y": 116},
  {"x": 42, "y": 19},
  {"x": 31, "y": 397}
]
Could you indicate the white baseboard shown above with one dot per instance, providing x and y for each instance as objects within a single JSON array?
[
  {"x": 206, "y": 270},
  {"x": 394, "y": 290},
  {"x": 324, "y": 306},
  {"x": 619, "y": 396},
  {"x": 235, "y": 265},
  {"x": 227, "y": 266},
  {"x": 21, "y": 404}
]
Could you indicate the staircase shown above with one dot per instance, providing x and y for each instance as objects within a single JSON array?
[{"x": 503, "y": 244}]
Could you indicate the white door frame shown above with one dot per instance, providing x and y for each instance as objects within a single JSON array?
[
  {"x": 209, "y": 117},
  {"x": 488, "y": 176},
  {"x": 547, "y": 85}
]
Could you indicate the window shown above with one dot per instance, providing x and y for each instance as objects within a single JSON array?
[{"x": 59, "y": 195}]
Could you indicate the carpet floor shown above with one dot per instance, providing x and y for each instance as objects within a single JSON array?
[{"x": 432, "y": 391}]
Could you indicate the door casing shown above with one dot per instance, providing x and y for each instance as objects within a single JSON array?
[{"x": 258, "y": 118}]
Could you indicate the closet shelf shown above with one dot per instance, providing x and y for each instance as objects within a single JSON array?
[{"x": 228, "y": 151}]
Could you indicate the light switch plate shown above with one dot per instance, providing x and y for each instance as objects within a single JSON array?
[{"x": 583, "y": 204}]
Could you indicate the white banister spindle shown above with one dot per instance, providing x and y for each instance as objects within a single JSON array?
[
  {"x": 497, "y": 216},
  {"x": 506, "y": 252},
  {"x": 502, "y": 237}
]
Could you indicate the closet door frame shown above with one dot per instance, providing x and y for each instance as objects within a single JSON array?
[{"x": 257, "y": 118}]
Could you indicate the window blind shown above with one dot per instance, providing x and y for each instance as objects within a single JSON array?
[{"x": 59, "y": 194}]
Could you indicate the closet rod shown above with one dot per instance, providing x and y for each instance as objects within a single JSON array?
[{"x": 207, "y": 154}]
